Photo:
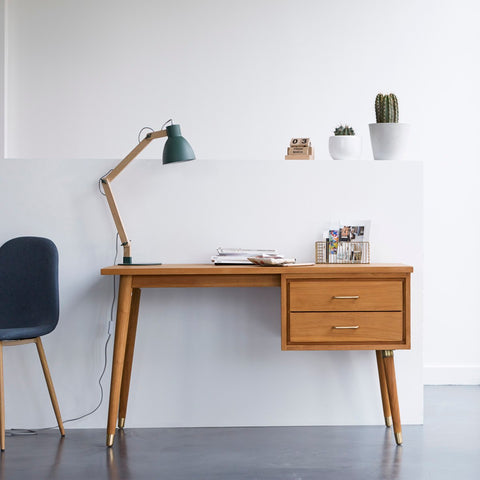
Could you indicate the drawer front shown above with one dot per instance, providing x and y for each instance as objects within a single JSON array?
[
  {"x": 345, "y": 295},
  {"x": 346, "y": 327}
]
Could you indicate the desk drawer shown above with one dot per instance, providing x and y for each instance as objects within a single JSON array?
[
  {"x": 346, "y": 327},
  {"x": 346, "y": 295}
]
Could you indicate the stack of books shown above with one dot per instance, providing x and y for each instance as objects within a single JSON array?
[{"x": 239, "y": 256}]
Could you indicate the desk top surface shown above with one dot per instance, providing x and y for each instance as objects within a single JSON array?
[{"x": 210, "y": 269}]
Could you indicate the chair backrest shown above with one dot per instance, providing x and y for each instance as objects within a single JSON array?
[{"x": 29, "y": 283}]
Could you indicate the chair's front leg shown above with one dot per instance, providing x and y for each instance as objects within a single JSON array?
[
  {"x": 2, "y": 402},
  {"x": 48, "y": 379}
]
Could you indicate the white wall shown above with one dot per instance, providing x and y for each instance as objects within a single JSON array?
[
  {"x": 452, "y": 169},
  {"x": 208, "y": 357},
  {"x": 83, "y": 78},
  {"x": 2, "y": 78}
]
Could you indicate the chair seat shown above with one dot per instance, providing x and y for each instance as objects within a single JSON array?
[{"x": 24, "y": 333}]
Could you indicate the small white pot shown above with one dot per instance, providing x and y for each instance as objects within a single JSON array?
[
  {"x": 389, "y": 140},
  {"x": 345, "y": 147}
]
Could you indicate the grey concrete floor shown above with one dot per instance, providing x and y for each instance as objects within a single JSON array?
[{"x": 447, "y": 446}]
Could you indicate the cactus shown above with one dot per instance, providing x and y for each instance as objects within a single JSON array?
[
  {"x": 344, "y": 130},
  {"x": 386, "y": 108}
]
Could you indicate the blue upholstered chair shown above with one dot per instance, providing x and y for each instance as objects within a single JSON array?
[{"x": 29, "y": 305}]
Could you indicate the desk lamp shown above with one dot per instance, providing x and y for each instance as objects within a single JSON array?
[{"x": 176, "y": 149}]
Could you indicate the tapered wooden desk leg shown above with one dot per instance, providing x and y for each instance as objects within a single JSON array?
[
  {"x": 2, "y": 402},
  {"x": 383, "y": 389},
  {"x": 127, "y": 366},
  {"x": 121, "y": 329},
  {"x": 392, "y": 393}
]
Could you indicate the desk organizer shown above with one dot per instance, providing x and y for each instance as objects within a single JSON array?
[{"x": 343, "y": 252}]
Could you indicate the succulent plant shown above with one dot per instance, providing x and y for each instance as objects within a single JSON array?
[
  {"x": 386, "y": 108},
  {"x": 344, "y": 130}
]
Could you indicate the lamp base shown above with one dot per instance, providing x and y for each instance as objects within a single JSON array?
[{"x": 128, "y": 261}]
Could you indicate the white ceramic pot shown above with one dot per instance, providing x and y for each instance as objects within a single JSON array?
[
  {"x": 389, "y": 140},
  {"x": 345, "y": 147}
]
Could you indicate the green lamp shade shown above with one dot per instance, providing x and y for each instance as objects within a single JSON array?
[{"x": 176, "y": 149}]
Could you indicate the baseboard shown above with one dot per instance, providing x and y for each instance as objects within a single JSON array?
[{"x": 451, "y": 375}]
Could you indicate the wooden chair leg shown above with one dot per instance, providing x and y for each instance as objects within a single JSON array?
[
  {"x": 48, "y": 379},
  {"x": 129, "y": 349},
  {"x": 389, "y": 365},
  {"x": 383, "y": 389},
  {"x": 2, "y": 402}
]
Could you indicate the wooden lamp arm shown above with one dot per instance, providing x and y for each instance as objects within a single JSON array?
[
  {"x": 133, "y": 154},
  {"x": 107, "y": 179}
]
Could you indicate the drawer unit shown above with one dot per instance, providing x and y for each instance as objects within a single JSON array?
[
  {"x": 340, "y": 313},
  {"x": 351, "y": 307}
]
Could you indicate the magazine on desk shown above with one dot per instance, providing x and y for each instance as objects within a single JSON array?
[
  {"x": 230, "y": 260},
  {"x": 245, "y": 251},
  {"x": 240, "y": 256},
  {"x": 244, "y": 256}
]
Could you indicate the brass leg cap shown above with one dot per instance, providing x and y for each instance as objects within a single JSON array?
[
  {"x": 388, "y": 421},
  {"x": 398, "y": 438},
  {"x": 110, "y": 439},
  {"x": 121, "y": 423}
]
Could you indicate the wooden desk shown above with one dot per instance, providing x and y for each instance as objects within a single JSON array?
[{"x": 324, "y": 307}]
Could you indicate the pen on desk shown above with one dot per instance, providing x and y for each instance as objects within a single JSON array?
[{"x": 327, "y": 249}]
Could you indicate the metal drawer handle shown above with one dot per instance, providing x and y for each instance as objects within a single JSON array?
[
  {"x": 346, "y": 297},
  {"x": 351, "y": 327}
]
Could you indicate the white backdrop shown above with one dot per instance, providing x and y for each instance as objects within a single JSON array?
[
  {"x": 208, "y": 357},
  {"x": 242, "y": 78}
]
